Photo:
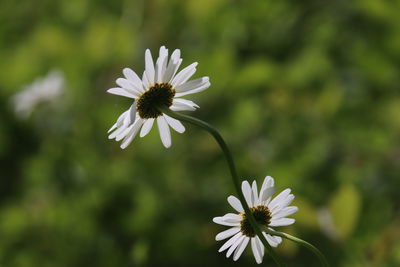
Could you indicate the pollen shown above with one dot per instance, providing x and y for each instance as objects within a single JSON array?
[
  {"x": 160, "y": 94},
  {"x": 262, "y": 215}
]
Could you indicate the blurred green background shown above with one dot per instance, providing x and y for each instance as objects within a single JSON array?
[{"x": 305, "y": 91}]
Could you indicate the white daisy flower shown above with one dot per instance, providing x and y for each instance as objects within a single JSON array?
[
  {"x": 268, "y": 212},
  {"x": 160, "y": 85},
  {"x": 44, "y": 89}
]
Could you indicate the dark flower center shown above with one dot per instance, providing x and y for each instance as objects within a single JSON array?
[
  {"x": 262, "y": 216},
  {"x": 160, "y": 94}
]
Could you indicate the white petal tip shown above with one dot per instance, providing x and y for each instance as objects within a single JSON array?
[{"x": 125, "y": 144}]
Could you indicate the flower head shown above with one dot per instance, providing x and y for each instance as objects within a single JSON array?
[
  {"x": 44, "y": 89},
  {"x": 160, "y": 85},
  {"x": 268, "y": 212}
]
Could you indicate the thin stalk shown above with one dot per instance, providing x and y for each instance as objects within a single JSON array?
[
  {"x": 301, "y": 242},
  {"x": 232, "y": 169}
]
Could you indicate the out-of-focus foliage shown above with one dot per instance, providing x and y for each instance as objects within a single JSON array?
[{"x": 305, "y": 91}]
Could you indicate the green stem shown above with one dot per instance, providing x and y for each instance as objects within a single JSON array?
[
  {"x": 232, "y": 169},
  {"x": 299, "y": 241}
]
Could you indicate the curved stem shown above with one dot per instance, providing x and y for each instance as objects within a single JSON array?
[
  {"x": 318, "y": 253},
  {"x": 232, "y": 169}
]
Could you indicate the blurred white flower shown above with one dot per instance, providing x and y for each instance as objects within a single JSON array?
[
  {"x": 160, "y": 85},
  {"x": 325, "y": 221},
  {"x": 267, "y": 212},
  {"x": 44, "y": 89}
]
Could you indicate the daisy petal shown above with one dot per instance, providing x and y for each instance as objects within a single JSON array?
[
  {"x": 234, "y": 246},
  {"x": 256, "y": 251},
  {"x": 148, "y": 124},
  {"x": 117, "y": 132},
  {"x": 241, "y": 248},
  {"x": 128, "y": 139},
  {"x": 232, "y": 217},
  {"x": 274, "y": 241},
  {"x": 194, "y": 89},
  {"x": 173, "y": 65},
  {"x": 176, "y": 55},
  {"x": 227, "y": 233},
  {"x": 266, "y": 194},
  {"x": 221, "y": 221},
  {"x": 119, "y": 121},
  {"x": 278, "y": 239},
  {"x": 279, "y": 198},
  {"x": 235, "y": 203},
  {"x": 123, "y": 92},
  {"x": 132, "y": 112},
  {"x": 184, "y": 75},
  {"x": 254, "y": 193},
  {"x": 282, "y": 204},
  {"x": 149, "y": 66},
  {"x": 191, "y": 85},
  {"x": 229, "y": 219},
  {"x": 161, "y": 64},
  {"x": 115, "y": 125},
  {"x": 131, "y": 76},
  {"x": 180, "y": 104},
  {"x": 268, "y": 182},
  {"x": 286, "y": 202},
  {"x": 165, "y": 134},
  {"x": 267, "y": 189},
  {"x": 123, "y": 123},
  {"x": 122, "y": 134},
  {"x": 246, "y": 189},
  {"x": 175, "y": 124},
  {"x": 171, "y": 70},
  {"x": 231, "y": 241},
  {"x": 146, "y": 82},
  {"x": 124, "y": 83},
  {"x": 287, "y": 211},
  {"x": 260, "y": 245},
  {"x": 282, "y": 222},
  {"x": 180, "y": 107}
]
